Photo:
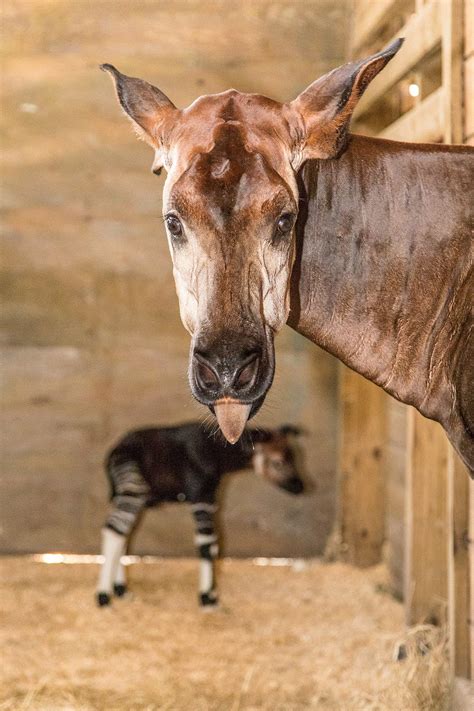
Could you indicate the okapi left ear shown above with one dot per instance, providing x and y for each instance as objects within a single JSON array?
[
  {"x": 326, "y": 106},
  {"x": 291, "y": 430},
  {"x": 259, "y": 436},
  {"x": 151, "y": 112}
]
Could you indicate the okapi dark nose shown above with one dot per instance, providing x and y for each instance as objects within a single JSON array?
[{"x": 232, "y": 375}]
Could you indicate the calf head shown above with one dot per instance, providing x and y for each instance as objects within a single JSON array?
[
  {"x": 274, "y": 457},
  {"x": 230, "y": 206}
]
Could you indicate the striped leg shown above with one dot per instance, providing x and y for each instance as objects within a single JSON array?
[
  {"x": 206, "y": 543},
  {"x": 113, "y": 547},
  {"x": 130, "y": 497}
]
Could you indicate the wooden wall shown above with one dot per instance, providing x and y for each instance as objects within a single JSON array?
[{"x": 92, "y": 344}]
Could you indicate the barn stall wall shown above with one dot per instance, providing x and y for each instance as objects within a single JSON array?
[
  {"x": 416, "y": 500},
  {"x": 92, "y": 342}
]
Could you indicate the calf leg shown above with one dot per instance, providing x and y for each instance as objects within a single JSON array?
[
  {"x": 129, "y": 499},
  {"x": 113, "y": 547},
  {"x": 120, "y": 580},
  {"x": 206, "y": 543}
]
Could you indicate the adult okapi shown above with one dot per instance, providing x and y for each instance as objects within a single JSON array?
[{"x": 275, "y": 213}]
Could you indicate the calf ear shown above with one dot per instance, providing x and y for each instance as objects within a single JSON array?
[
  {"x": 147, "y": 107},
  {"x": 259, "y": 436},
  {"x": 326, "y": 106},
  {"x": 291, "y": 430}
]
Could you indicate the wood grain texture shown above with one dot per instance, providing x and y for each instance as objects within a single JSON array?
[
  {"x": 459, "y": 573},
  {"x": 425, "y": 123},
  {"x": 427, "y": 522},
  {"x": 362, "y": 494},
  {"x": 422, "y": 34}
]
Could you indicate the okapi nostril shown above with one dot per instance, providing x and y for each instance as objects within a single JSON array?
[
  {"x": 206, "y": 375},
  {"x": 247, "y": 373}
]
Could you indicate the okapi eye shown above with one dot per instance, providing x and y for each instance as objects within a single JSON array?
[
  {"x": 285, "y": 223},
  {"x": 174, "y": 226}
]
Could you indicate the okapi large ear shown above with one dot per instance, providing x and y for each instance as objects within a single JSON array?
[
  {"x": 326, "y": 106},
  {"x": 147, "y": 107}
]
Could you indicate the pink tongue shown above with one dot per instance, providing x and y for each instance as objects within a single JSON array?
[{"x": 232, "y": 417}]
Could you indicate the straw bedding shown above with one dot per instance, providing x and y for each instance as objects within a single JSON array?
[{"x": 305, "y": 636}]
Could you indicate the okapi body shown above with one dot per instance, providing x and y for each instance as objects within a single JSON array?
[
  {"x": 185, "y": 464},
  {"x": 381, "y": 233},
  {"x": 383, "y": 277}
]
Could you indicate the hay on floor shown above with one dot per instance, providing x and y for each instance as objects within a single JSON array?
[{"x": 311, "y": 636}]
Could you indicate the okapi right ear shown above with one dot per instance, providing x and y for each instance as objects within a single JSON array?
[
  {"x": 148, "y": 108},
  {"x": 325, "y": 108}
]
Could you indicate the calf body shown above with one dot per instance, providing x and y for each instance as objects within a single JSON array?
[{"x": 183, "y": 463}]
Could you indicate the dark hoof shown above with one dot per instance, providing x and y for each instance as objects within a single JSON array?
[
  {"x": 103, "y": 599},
  {"x": 120, "y": 589},
  {"x": 208, "y": 599},
  {"x": 401, "y": 653}
]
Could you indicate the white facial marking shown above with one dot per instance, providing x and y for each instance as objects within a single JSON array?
[{"x": 258, "y": 461}]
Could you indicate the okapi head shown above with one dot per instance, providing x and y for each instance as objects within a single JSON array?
[
  {"x": 275, "y": 457},
  {"x": 230, "y": 206}
]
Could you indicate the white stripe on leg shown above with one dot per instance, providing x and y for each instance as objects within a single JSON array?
[
  {"x": 120, "y": 577},
  {"x": 206, "y": 576},
  {"x": 113, "y": 547}
]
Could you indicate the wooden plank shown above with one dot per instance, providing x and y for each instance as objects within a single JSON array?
[
  {"x": 370, "y": 15},
  {"x": 424, "y": 123},
  {"x": 395, "y": 492},
  {"x": 469, "y": 99},
  {"x": 422, "y": 35},
  {"x": 468, "y": 28},
  {"x": 427, "y": 522},
  {"x": 362, "y": 491},
  {"x": 452, "y": 69},
  {"x": 459, "y": 573}
]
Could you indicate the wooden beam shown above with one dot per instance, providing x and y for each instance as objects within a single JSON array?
[
  {"x": 427, "y": 522},
  {"x": 396, "y": 448},
  {"x": 468, "y": 28},
  {"x": 370, "y": 15},
  {"x": 452, "y": 69},
  {"x": 422, "y": 35},
  {"x": 469, "y": 99},
  {"x": 362, "y": 490},
  {"x": 460, "y": 583},
  {"x": 424, "y": 123}
]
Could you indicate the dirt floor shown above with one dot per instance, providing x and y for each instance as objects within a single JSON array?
[{"x": 296, "y": 636}]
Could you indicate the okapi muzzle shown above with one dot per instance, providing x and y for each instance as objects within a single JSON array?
[
  {"x": 230, "y": 206},
  {"x": 232, "y": 377}
]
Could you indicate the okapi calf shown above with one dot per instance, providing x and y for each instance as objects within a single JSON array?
[
  {"x": 183, "y": 463},
  {"x": 275, "y": 213}
]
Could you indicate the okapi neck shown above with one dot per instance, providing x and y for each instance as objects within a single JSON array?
[{"x": 377, "y": 254}]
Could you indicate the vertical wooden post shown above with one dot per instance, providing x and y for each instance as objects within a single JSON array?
[
  {"x": 427, "y": 522},
  {"x": 362, "y": 490},
  {"x": 395, "y": 473},
  {"x": 456, "y": 14},
  {"x": 459, "y": 580},
  {"x": 452, "y": 69}
]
